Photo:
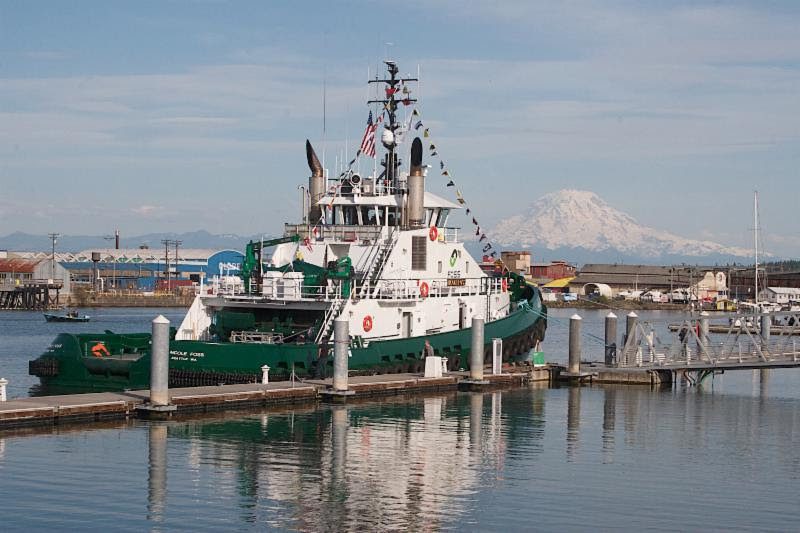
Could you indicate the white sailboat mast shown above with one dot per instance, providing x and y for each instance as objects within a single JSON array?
[{"x": 755, "y": 238}]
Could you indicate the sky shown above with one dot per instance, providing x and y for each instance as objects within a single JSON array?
[{"x": 159, "y": 116}]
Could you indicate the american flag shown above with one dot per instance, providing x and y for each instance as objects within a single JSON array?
[{"x": 368, "y": 142}]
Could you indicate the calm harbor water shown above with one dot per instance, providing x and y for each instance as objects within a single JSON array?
[{"x": 594, "y": 458}]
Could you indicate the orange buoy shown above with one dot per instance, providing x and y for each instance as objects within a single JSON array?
[
  {"x": 433, "y": 233},
  {"x": 367, "y": 324},
  {"x": 423, "y": 289}
]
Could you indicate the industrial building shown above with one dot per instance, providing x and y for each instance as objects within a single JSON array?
[
  {"x": 679, "y": 282},
  {"x": 780, "y": 295},
  {"x": 140, "y": 269}
]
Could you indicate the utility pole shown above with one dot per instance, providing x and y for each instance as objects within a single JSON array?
[
  {"x": 113, "y": 254},
  {"x": 176, "y": 243},
  {"x": 671, "y": 284},
  {"x": 166, "y": 243},
  {"x": 53, "y": 238}
]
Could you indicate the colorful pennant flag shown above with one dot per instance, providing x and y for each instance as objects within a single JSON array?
[
  {"x": 451, "y": 183},
  {"x": 445, "y": 173}
]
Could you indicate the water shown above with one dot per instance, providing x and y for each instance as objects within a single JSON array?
[{"x": 594, "y": 458}]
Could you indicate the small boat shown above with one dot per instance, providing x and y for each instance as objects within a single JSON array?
[{"x": 72, "y": 316}]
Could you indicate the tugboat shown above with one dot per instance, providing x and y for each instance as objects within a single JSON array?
[{"x": 378, "y": 250}]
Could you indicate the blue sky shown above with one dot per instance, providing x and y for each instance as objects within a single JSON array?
[{"x": 175, "y": 116}]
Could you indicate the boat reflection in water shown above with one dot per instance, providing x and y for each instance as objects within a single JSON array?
[
  {"x": 492, "y": 460},
  {"x": 400, "y": 464}
]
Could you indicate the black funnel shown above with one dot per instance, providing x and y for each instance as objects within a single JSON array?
[
  {"x": 313, "y": 162},
  {"x": 416, "y": 154}
]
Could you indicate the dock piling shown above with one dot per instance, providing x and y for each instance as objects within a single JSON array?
[
  {"x": 497, "y": 357},
  {"x": 476, "y": 352},
  {"x": 703, "y": 348},
  {"x": 265, "y": 375},
  {"x": 3, "y": 383},
  {"x": 766, "y": 323},
  {"x": 630, "y": 337},
  {"x": 575, "y": 344},
  {"x": 611, "y": 339},
  {"x": 341, "y": 332},
  {"x": 159, "y": 363}
]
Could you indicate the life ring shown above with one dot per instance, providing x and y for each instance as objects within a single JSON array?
[
  {"x": 433, "y": 233},
  {"x": 423, "y": 289},
  {"x": 367, "y": 324},
  {"x": 504, "y": 284},
  {"x": 99, "y": 350}
]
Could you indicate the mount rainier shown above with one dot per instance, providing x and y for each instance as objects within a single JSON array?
[{"x": 581, "y": 227}]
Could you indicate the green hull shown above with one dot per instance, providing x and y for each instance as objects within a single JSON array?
[{"x": 70, "y": 364}]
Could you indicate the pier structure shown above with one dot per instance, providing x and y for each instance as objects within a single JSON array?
[
  {"x": 31, "y": 295},
  {"x": 701, "y": 347},
  {"x": 81, "y": 408}
]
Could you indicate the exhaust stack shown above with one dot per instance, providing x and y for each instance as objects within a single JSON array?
[
  {"x": 316, "y": 184},
  {"x": 416, "y": 187}
]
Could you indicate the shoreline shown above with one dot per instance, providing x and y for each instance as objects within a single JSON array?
[{"x": 626, "y": 305}]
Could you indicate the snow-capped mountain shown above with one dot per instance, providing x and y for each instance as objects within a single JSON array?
[{"x": 574, "y": 219}]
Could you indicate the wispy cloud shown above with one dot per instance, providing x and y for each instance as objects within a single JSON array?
[{"x": 147, "y": 210}]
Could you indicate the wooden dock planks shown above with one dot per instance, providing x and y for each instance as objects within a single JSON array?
[{"x": 53, "y": 410}]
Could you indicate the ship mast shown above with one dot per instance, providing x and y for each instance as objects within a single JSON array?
[
  {"x": 755, "y": 238},
  {"x": 389, "y": 139}
]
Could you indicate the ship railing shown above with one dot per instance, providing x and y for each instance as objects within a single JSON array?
[
  {"x": 283, "y": 292},
  {"x": 404, "y": 289},
  {"x": 256, "y": 337},
  {"x": 336, "y": 232}
]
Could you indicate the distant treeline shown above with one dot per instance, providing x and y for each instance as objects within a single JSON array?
[{"x": 791, "y": 265}]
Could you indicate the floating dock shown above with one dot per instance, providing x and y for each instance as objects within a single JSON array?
[{"x": 71, "y": 408}]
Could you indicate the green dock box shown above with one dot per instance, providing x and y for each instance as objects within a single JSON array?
[{"x": 538, "y": 358}]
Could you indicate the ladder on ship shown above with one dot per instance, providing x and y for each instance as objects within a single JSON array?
[
  {"x": 327, "y": 324},
  {"x": 376, "y": 260},
  {"x": 377, "y": 264}
]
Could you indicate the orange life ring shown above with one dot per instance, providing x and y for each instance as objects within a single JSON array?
[
  {"x": 367, "y": 324},
  {"x": 423, "y": 289},
  {"x": 433, "y": 233},
  {"x": 99, "y": 350},
  {"x": 504, "y": 284}
]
